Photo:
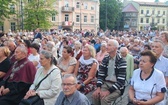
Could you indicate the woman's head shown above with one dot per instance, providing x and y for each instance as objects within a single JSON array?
[
  {"x": 78, "y": 45},
  {"x": 164, "y": 37},
  {"x": 34, "y": 47},
  {"x": 103, "y": 46},
  {"x": 147, "y": 60},
  {"x": 4, "y": 51},
  {"x": 46, "y": 58},
  {"x": 67, "y": 51},
  {"x": 89, "y": 51}
]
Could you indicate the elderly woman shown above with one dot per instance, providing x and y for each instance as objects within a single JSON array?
[
  {"x": 52, "y": 48},
  {"x": 100, "y": 55},
  {"x": 148, "y": 85},
  {"x": 164, "y": 38},
  {"x": 50, "y": 87},
  {"x": 66, "y": 63},
  {"x": 86, "y": 69},
  {"x": 4, "y": 61},
  {"x": 77, "y": 50}
]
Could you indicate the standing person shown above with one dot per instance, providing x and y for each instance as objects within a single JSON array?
[
  {"x": 111, "y": 76},
  {"x": 130, "y": 62},
  {"x": 18, "y": 79},
  {"x": 37, "y": 34},
  {"x": 148, "y": 85},
  {"x": 50, "y": 87},
  {"x": 70, "y": 95}
]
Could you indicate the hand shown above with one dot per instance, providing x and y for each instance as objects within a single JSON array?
[
  {"x": 96, "y": 94},
  {"x": 141, "y": 102},
  {"x": 78, "y": 86},
  {"x": 1, "y": 90},
  {"x": 103, "y": 94},
  {"x": 29, "y": 94},
  {"x": 5, "y": 91}
]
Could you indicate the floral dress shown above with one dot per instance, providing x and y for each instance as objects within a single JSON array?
[{"x": 83, "y": 75}]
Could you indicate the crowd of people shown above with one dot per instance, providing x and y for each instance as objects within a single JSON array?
[{"x": 84, "y": 68}]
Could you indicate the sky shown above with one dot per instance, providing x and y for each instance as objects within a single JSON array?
[{"x": 150, "y": 0}]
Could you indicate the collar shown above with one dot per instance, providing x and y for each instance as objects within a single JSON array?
[
  {"x": 160, "y": 58},
  {"x": 70, "y": 98}
]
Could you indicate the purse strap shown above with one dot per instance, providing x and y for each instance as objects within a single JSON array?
[{"x": 37, "y": 86}]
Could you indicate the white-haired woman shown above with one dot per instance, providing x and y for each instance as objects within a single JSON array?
[
  {"x": 100, "y": 55},
  {"x": 77, "y": 50}
]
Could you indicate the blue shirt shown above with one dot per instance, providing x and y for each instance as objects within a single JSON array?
[
  {"x": 75, "y": 99},
  {"x": 162, "y": 65}
]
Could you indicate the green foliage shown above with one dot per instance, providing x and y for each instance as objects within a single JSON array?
[
  {"x": 113, "y": 13},
  {"x": 37, "y": 14},
  {"x": 5, "y": 11}
]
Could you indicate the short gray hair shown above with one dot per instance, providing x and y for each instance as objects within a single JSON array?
[
  {"x": 115, "y": 42},
  {"x": 23, "y": 48},
  {"x": 70, "y": 75}
]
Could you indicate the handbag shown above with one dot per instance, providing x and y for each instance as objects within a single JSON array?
[{"x": 35, "y": 100}]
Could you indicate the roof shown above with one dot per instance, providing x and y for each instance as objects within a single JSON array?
[
  {"x": 151, "y": 3},
  {"x": 129, "y": 8}
]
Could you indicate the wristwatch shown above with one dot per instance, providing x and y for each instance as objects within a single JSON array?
[{"x": 82, "y": 84}]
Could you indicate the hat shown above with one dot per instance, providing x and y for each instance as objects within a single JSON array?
[{"x": 36, "y": 46}]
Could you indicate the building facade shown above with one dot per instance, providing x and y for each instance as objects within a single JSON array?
[
  {"x": 151, "y": 15},
  {"x": 72, "y": 15}
]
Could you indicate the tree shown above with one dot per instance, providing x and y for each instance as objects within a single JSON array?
[
  {"x": 5, "y": 11},
  {"x": 113, "y": 13},
  {"x": 37, "y": 13}
]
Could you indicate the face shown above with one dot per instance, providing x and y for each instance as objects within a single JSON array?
[
  {"x": 33, "y": 50},
  {"x": 145, "y": 63},
  {"x": 11, "y": 46},
  {"x": 18, "y": 54},
  {"x": 163, "y": 38},
  {"x": 69, "y": 86},
  {"x": 123, "y": 53},
  {"x": 44, "y": 61},
  {"x": 103, "y": 48},
  {"x": 65, "y": 54},
  {"x": 1, "y": 52},
  {"x": 86, "y": 52},
  {"x": 157, "y": 48},
  {"x": 110, "y": 47}
]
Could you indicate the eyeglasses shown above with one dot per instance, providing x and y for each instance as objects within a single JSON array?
[{"x": 68, "y": 84}]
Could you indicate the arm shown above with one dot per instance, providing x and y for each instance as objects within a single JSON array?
[
  {"x": 69, "y": 70},
  {"x": 2, "y": 74},
  {"x": 76, "y": 69},
  {"x": 131, "y": 94},
  {"x": 55, "y": 85}
]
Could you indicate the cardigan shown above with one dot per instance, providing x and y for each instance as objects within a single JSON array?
[{"x": 120, "y": 71}]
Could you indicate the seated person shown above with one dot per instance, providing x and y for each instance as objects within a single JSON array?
[
  {"x": 18, "y": 79},
  {"x": 70, "y": 95}
]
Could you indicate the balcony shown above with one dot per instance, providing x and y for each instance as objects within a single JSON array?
[
  {"x": 148, "y": 15},
  {"x": 67, "y": 23},
  {"x": 159, "y": 15},
  {"x": 67, "y": 9}
]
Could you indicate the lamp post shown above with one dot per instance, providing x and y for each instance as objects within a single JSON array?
[
  {"x": 22, "y": 25},
  {"x": 80, "y": 16},
  {"x": 106, "y": 16}
]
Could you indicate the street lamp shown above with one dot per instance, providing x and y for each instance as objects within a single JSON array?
[
  {"x": 80, "y": 16},
  {"x": 106, "y": 16},
  {"x": 22, "y": 25}
]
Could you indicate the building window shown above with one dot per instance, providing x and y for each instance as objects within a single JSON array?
[
  {"x": 77, "y": 5},
  {"x": 147, "y": 20},
  {"x": 12, "y": 8},
  {"x": 141, "y": 20},
  {"x": 153, "y": 20},
  {"x": 158, "y": 21},
  {"x": 53, "y": 17},
  {"x": 66, "y": 4},
  {"x": 85, "y": 5},
  {"x": 92, "y": 7},
  {"x": 66, "y": 17},
  {"x": 92, "y": 19},
  {"x": 158, "y": 12},
  {"x": 13, "y": 26},
  {"x": 147, "y": 11},
  {"x": 163, "y": 12},
  {"x": 163, "y": 21},
  {"x": 77, "y": 18},
  {"x": 1, "y": 28},
  {"x": 141, "y": 11},
  {"x": 153, "y": 12},
  {"x": 85, "y": 18}
]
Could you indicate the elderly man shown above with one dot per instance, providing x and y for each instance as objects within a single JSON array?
[
  {"x": 130, "y": 62},
  {"x": 70, "y": 95},
  {"x": 18, "y": 79},
  {"x": 111, "y": 76}
]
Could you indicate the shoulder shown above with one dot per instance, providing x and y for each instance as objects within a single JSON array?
[
  {"x": 82, "y": 98},
  {"x": 158, "y": 72}
]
